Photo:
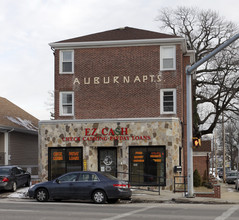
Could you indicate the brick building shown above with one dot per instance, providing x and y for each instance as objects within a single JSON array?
[{"x": 120, "y": 106}]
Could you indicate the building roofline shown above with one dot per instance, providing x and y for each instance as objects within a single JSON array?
[
  {"x": 119, "y": 43},
  {"x": 21, "y": 130}
]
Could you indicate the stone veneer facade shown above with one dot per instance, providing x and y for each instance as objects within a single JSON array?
[{"x": 162, "y": 132}]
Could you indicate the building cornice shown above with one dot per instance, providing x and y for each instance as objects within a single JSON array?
[
  {"x": 119, "y": 43},
  {"x": 106, "y": 120}
]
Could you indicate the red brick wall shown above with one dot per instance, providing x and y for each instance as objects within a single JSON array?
[
  {"x": 120, "y": 100},
  {"x": 201, "y": 164}
]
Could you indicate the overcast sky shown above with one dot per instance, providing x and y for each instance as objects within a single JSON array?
[{"x": 28, "y": 26}]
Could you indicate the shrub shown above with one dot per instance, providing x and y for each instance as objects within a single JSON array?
[
  {"x": 208, "y": 185},
  {"x": 196, "y": 178}
]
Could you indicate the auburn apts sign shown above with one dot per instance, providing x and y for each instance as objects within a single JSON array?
[{"x": 94, "y": 134}]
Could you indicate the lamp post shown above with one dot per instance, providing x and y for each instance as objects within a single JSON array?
[
  {"x": 237, "y": 165},
  {"x": 213, "y": 154},
  {"x": 223, "y": 148},
  {"x": 215, "y": 147}
]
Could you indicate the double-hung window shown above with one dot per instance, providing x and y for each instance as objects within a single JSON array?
[
  {"x": 168, "y": 101},
  {"x": 66, "y": 103},
  {"x": 167, "y": 58},
  {"x": 66, "y": 61}
]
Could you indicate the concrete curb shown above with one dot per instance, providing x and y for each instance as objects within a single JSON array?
[
  {"x": 185, "y": 201},
  {"x": 148, "y": 200},
  {"x": 190, "y": 201}
]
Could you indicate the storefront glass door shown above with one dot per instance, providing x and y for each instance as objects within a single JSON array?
[
  {"x": 147, "y": 164},
  {"x": 107, "y": 158},
  {"x": 63, "y": 160}
]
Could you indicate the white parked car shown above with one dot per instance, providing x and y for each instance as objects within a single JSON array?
[{"x": 237, "y": 184}]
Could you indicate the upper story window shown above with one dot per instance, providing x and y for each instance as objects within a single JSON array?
[
  {"x": 66, "y": 103},
  {"x": 168, "y": 101},
  {"x": 167, "y": 58},
  {"x": 66, "y": 61}
]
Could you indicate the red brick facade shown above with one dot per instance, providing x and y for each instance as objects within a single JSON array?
[
  {"x": 201, "y": 159},
  {"x": 109, "y": 94},
  {"x": 201, "y": 163}
]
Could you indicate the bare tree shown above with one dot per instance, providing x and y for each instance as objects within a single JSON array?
[
  {"x": 216, "y": 83},
  {"x": 50, "y": 104},
  {"x": 231, "y": 142}
]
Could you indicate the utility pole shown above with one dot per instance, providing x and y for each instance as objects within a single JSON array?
[
  {"x": 189, "y": 136},
  {"x": 237, "y": 166},
  {"x": 215, "y": 145},
  {"x": 189, "y": 72},
  {"x": 213, "y": 155},
  {"x": 223, "y": 149}
]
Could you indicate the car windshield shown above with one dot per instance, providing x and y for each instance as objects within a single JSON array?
[
  {"x": 232, "y": 174},
  {"x": 109, "y": 176},
  {"x": 4, "y": 171}
]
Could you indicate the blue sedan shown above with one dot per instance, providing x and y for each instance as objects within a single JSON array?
[{"x": 97, "y": 186}]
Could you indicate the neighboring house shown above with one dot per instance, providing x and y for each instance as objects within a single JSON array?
[
  {"x": 18, "y": 137},
  {"x": 120, "y": 106},
  {"x": 201, "y": 159}
]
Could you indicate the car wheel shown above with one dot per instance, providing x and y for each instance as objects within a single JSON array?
[
  {"x": 42, "y": 195},
  {"x": 14, "y": 186},
  {"x": 99, "y": 196}
]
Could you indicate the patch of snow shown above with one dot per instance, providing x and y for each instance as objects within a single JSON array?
[
  {"x": 230, "y": 190},
  {"x": 23, "y": 122},
  {"x": 20, "y": 193}
]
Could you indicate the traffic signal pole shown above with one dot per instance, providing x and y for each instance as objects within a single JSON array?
[
  {"x": 189, "y": 136},
  {"x": 189, "y": 72}
]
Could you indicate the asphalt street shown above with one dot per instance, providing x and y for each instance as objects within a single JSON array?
[{"x": 11, "y": 209}]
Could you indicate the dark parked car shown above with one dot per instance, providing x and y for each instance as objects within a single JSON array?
[
  {"x": 83, "y": 185},
  {"x": 12, "y": 177},
  {"x": 220, "y": 171},
  {"x": 231, "y": 176}
]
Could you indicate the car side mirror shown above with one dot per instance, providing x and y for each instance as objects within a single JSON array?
[{"x": 58, "y": 181}]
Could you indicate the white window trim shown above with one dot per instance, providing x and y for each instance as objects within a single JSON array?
[
  {"x": 174, "y": 101},
  {"x": 60, "y": 106},
  {"x": 61, "y": 60},
  {"x": 161, "y": 58}
]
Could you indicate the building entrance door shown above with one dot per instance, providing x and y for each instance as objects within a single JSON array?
[
  {"x": 63, "y": 160},
  {"x": 107, "y": 160}
]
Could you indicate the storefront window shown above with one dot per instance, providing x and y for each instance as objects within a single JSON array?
[
  {"x": 63, "y": 160},
  {"x": 147, "y": 165}
]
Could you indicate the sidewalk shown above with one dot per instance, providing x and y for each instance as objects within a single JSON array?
[{"x": 228, "y": 196}]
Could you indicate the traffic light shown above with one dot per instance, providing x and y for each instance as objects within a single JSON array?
[{"x": 196, "y": 142}]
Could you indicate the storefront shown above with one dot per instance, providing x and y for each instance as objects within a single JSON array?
[
  {"x": 143, "y": 151},
  {"x": 63, "y": 160}
]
